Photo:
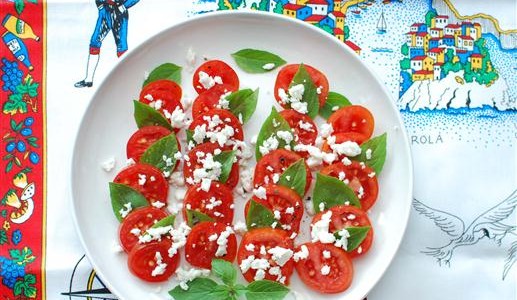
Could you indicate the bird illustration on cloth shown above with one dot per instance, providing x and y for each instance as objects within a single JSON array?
[{"x": 488, "y": 224}]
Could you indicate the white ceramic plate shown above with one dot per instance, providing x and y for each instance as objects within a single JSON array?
[{"x": 108, "y": 123}]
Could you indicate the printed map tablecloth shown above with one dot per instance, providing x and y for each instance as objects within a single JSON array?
[{"x": 451, "y": 65}]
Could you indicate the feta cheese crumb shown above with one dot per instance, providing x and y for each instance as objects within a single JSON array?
[
  {"x": 208, "y": 81},
  {"x": 186, "y": 275},
  {"x": 124, "y": 212},
  {"x": 326, "y": 254},
  {"x": 302, "y": 254},
  {"x": 289, "y": 210},
  {"x": 343, "y": 241},
  {"x": 158, "y": 204},
  {"x": 320, "y": 230},
  {"x": 347, "y": 148},
  {"x": 108, "y": 164},
  {"x": 179, "y": 238},
  {"x": 325, "y": 270},
  {"x": 368, "y": 154},
  {"x": 280, "y": 255},
  {"x": 240, "y": 227},
  {"x": 268, "y": 66},
  {"x": 160, "y": 265},
  {"x": 250, "y": 247},
  {"x": 260, "y": 192},
  {"x": 142, "y": 178},
  {"x": 222, "y": 241},
  {"x": 276, "y": 214}
]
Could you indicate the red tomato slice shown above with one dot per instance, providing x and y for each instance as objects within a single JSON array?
[
  {"x": 269, "y": 238},
  {"x": 142, "y": 261},
  {"x": 216, "y": 68},
  {"x": 287, "y": 202},
  {"x": 305, "y": 131},
  {"x": 210, "y": 99},
  {"x": 275, "y": 162},
  {"x": 143, "y": 138},
  {"x": 198, "y": 199},
  {"x": 141, "y": 219},
  {"x": 224, "y": 118},
  {"x": 202, "y": 245},
  {"x": 195, "y": 163},
  {"x": 286, "y": 75},
  {"x": 168, "y": 91},
  {"x": 342, "y": 137},
  {"x": 344, "y": 216},
  {"x": 153, "y": 190},
  {"x": 360, "y": 178},
  {"x": 353, "y": 118},
  {"x": 312, "y": 269}
]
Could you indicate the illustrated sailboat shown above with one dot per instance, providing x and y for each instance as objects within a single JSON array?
[{"x": 381, "y": 24}]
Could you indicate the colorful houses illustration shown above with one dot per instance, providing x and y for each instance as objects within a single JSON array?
[
  {"x": 328, "y": 15},
  {"x": 437, "y": 47}
]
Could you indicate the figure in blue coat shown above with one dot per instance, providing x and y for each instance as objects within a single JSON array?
[{"x": 113, "y": 16}]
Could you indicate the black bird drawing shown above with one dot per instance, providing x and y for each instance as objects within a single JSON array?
[{"x": 488, "y": 224}]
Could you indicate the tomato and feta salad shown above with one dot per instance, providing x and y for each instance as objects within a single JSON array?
[{"x": 190, "y": 180}]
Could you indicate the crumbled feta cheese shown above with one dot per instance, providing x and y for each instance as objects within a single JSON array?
[
  {"x": 223, "y": 102},
  {"x": 351, "y": 217},
  {"x": 268, "y": 66},
  {"x": 326, "y": 254},
  {"x": 222, "y": 241},
  {"x": 246, "y": 263},
  {"x": 325, "y": 270},
  {"x": 285, "y": 135},
  {"x": 269, "y": 145},
  {"x": 320, "y": 230},
  {"x": 368, "y": 154},
  {"x": 135, "y": 231},
  {"x": 307, "y": 126},
  {"x": 160, "y": 265},
  {"x": 213, "y": 237},
  {"x": 294, "y": 96},
  {"x": 260, "y": 263},
  {"x": 179, "y": 238},
  {"x": 343, "y": 241},
  {"x": 321, "y": 206},
  {"x": 274, "y": 225},
  {"x": 319, "y": 89},
  {"x": 191, "y": 58},
  {"x": 326, "y": 130},
  {"x": 213, "y": 203},
  {"x": 177, "y": 118},
  {"x": 280, "y": 255},
  {"x": 346, "y": 161},
  {"x": 108, "y": 164},
  {"x": 154, "y": 234},
  {"x": 316, "y": 156},
  {"x": 293, "y": 235},
  {"x": 142, "y": 178},
  {"x": 250, "y": 247},
  {"x": 240, "y": 227},
  {"x": 359, "y": 250},
  {"x": 276, "y": 214},
  {"x": 302, "y": 254},
  {"x": 260, "y": 274},
  {"x": 208, "y": 81},
  {"x": 124, "y": 212},
  {"x": 289, "y": 210},
  {"x": 158, "y": 204},
  {"x": 335, "y": 108},
  {"x": 116, "y": 248},
  {"x": 263, "y": 250},
  {"x": 360, "y": 192},
  {"x": 186, "y": 275},
  {"x": 149, "y": 97},
  {"x": 260, "y": 192},
  {"x": 371, "y": 175},
  {"x": 347, "y": 148}
]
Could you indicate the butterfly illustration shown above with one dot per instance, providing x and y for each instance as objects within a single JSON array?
[{"x": 489, "y": 224}]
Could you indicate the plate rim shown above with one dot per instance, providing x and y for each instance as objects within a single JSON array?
[{"x": 225, "y": 14}]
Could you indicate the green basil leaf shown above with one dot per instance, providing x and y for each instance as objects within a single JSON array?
[
  {"x": 332, "y": 192},
  {"x": 167, "y": 71},
  {"x": 257, "y": 61},
  {"x": 377, "y": 145},
  {"x": 200, "y": 288},
  {"x": 224, "y": 270},
  {"x": 240, "y": 290},
  {"x": 295, "y": 177},
  {"x": 165, "y": 147},
  {"x": 146, "y": 116},
  {"x": 259, "y": 216},
  {"x": 357, "y": 236},
  {"x": 273, "y": 124},
  {"x": 167, "y": 221},
  {"x": 190, "y": 133},
  {"x": 310, "y": 94},
  {"x": 194, "y": 217},
  {"x": 227, "y": 159},
  {"x": 333, "y": 100},
  {"x": 122, "y": 194},
  {"x": 243, "y": 103},
  {"x": 266, "y": 290}
]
